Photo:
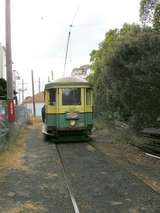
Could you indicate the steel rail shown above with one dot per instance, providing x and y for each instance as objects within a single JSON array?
[
  {"x": 151, "y": 153},
  {"x": 69, "y": 187},
  {"x": 153, "y": 156},
  {"x": 150, "y": 150}
]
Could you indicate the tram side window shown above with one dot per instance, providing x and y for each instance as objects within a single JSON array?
[
  {"x": 52, "y": 96},
  {"x": 88, "y": 96},
  {"x": 71, "y": 96}
]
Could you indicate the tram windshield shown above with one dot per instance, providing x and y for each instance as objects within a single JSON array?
[{"x": 71, "y": 96}]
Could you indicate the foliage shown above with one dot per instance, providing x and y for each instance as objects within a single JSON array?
[
  {"x": 81, "y": 71},
  {"x": 149, "y": 12},
  {"x": 126, "y": 75},
  {"x": 156, "y": 18},
  {"x": 117, "y": 133}
]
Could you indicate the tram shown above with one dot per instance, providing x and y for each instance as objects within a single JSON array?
[{"x": 68, "y": 107}]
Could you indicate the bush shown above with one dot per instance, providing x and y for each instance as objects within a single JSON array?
[{"x": 126, "y": 76}]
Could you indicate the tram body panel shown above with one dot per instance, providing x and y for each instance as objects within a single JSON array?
[{"x": 68, "y": 107}]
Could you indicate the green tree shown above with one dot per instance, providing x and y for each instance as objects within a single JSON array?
[
  {"x": 126, "y": 75},
  {"x": 156, "y": 18},
  {"x": 149, "y": 12},
  {"x": 81, "y": 71}
]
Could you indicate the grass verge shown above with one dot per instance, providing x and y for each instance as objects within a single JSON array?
[
  {"x": 10, "y": 141},
  {"x": 12, "y": 152},
  {"x": 116, "y": 132}
]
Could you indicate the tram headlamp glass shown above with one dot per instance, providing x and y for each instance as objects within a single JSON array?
[{"x": 72, "y": 122}]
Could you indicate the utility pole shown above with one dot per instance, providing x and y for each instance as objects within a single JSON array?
[
  {"x": 39, "y": 84},
  {"x": 22, "y": 90},
  {"x": 10, "y": 101},
  {"x": 49, "y": 79},
  {"x": 33, "y": 98},
  {"x": 19, "y": 95},
  {"x": 52, "y": 76}
]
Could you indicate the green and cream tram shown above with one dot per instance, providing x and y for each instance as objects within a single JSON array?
[{"x": 68, "y": 107}]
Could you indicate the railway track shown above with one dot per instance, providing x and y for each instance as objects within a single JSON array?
[
  {"x": 151, "y": 149},
  {"x": 87, "y": 174},
  {"x": 67, "y": 181},
  {"x": 152, "y": 146}
]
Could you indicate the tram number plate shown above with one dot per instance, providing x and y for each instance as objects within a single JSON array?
[{"x": 72, "y": 115}]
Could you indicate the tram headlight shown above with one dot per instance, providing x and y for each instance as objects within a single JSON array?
[{"x": 72, "y": 122}]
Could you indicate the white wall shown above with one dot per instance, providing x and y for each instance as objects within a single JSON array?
[
  {"x": 2, "y": 62},
  {"x": 38, "y": 106}
]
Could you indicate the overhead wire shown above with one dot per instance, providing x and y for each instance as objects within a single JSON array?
[
  {"x": 68, "y": 40},
  {"x": 75, "y": 14}
]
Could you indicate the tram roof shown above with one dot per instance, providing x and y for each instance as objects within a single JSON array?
[{"x": 67, "y": 81}]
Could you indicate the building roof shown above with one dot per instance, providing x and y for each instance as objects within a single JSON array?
[{"x": 39, "y": 98}]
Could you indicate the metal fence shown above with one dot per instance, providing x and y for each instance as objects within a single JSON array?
[
  {"x": 22, "y": 116},
  {"x": 3, "y": 123}
]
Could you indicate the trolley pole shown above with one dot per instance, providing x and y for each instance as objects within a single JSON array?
[
  {"x": 33, "y": 97},
  {"x": 10, "y": 101},
  {"x": 65, "y": 62}
]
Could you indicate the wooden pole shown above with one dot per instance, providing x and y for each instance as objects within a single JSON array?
[
  {"x": 39, "y": 84},
  {"x": 8, "y": 52},
  {"x": 52, "y": 77},
  {"x": 10, "y": 100},
  {"x": 33, "y": 97},
  {"x": 22, "y": 90}
]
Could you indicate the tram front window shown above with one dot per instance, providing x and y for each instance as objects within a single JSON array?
[
  {"x": 52, "y": 96},
  {"x": 71, "y": 96}
]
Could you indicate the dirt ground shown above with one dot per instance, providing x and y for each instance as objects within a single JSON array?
[
  {"x": 113, "y": 178},
  {"x": 31, "y": 180},
  {"x": 144, "y": 167}
]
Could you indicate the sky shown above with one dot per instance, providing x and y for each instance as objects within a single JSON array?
[{"x": 40, "y": 30}]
